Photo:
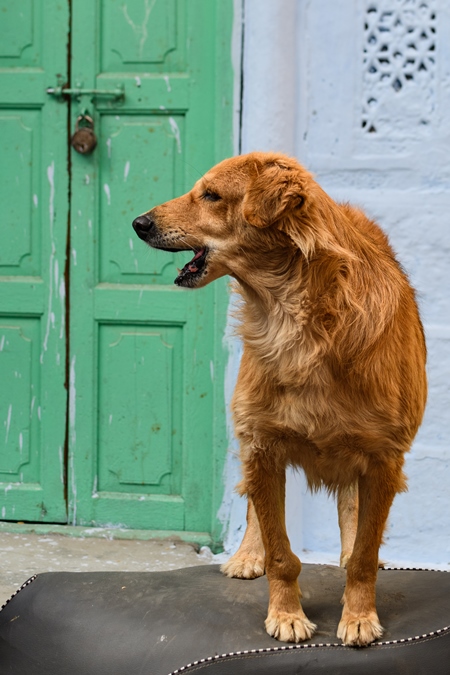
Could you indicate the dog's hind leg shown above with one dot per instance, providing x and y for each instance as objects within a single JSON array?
[
  {"x": 248, "y": 561},
  {"x": 359, "y": 624},
  {"x": 347, "y": 504}
]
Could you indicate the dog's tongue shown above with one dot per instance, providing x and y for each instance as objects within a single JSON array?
[
  {"x": 198, "y": 254},
  {"x": 192, "y": 267}
]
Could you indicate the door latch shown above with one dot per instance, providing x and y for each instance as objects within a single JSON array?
[{"x": 77, "y": 92}]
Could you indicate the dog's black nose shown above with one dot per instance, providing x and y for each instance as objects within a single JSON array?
[{"x": 142, "y": 226}]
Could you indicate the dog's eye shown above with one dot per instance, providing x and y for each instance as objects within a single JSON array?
[{"x": 210, "y": 196}]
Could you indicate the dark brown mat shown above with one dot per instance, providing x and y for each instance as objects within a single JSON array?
[{"x": 195, "y": 619}]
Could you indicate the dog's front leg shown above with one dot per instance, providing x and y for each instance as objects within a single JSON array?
[
  {"x": 248, "y": 561},
  {"x": 265, "y": 484}
]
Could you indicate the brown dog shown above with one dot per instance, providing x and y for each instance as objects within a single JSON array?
[{"x": 332, "y": 377}]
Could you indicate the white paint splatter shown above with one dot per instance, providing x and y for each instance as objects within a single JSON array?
[
  {"x": 74, "y": 491},
  {"x": 138, "y": 81},
  {"x": 95, "y": 487},
  {"x": 110, "y": 419},
  {"x": 56, "y": 273},
  {"x": 35, "y": 200},
  {"x": 162, "y": 107},
  {"x": 33, "y": 401},
  {"x": 126, "y": 170},
  {"x": 131, "y": 244},
  {"x": 140, "y": 31},
  {"x": 3, "y": 512},
  {"x": 72, "y": 401},
  {"x": 73, "y": 434},
  {"x": 87, "y": 179},
  {"x": 8, "y": 422},
  {"x": 90, "y": 226},
  {"x": 176, "y": 132},
  {"x": 62, "y": 297},
  {"x": 74, "y": 256},
  {"x": 2, "y": 343},
  {"x": 108, "y": 144},
  {"x": 108, "y": 193},
  {"x": 61, "y": 465},
  {"x": 20, "y": 442},
  {"x": 39, "y": 413},
  {"x": 51, "y": 209},
  {"x": 211, "y": 370},
  {"x": 166, "y": 78}
]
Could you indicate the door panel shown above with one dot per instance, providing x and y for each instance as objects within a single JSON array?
[
  {"x": 141, "y": 36},
  {"x": 127, "y": 155},
  {"x": 20, "y": 129},
  {"x": 142, "y": 449},
  {"x": 33, "y": 213},
  {"x": 150, "y": 447}
]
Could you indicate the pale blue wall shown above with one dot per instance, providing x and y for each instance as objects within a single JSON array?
[{"x": 305, "y": 86}]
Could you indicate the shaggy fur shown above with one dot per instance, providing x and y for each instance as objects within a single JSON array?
[{"x": 332, "y": 378}]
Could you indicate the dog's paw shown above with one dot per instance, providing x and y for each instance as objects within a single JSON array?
[
  {"x": 243, "y": 567},
  {"x": 289, "y": 626},
  {"x": 359, "y": 631}
]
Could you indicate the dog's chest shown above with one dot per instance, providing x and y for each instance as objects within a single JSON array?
[
  {"x": 283, "y": 394},
  {"x": 286, "y": 354},
  {"x": 287, "y": 372}
]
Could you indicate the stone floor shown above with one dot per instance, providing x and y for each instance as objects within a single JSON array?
[{"x": 22, "y": 555}]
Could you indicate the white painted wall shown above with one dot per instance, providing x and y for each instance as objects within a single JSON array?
[{"x": 305, "y": 84}]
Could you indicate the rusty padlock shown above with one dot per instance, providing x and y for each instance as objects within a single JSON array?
[{"x": 84, "y": 139}]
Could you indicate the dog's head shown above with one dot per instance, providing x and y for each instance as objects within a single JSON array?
[{"x": 233, "y": 218}]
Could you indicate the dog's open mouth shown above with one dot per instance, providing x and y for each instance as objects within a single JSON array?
[{"x": 193, "y": 270}]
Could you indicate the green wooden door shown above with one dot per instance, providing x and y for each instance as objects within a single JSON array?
[
  {"x": 145, "y": 436},
  {"x": 33, "y": 217}
]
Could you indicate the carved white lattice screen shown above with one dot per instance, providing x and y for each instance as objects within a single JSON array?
[{"x": 399, "y": 64}]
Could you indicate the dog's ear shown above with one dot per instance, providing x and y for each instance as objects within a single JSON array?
[{"x": 275, "y": 188}]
